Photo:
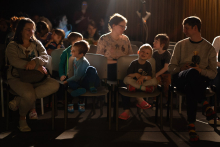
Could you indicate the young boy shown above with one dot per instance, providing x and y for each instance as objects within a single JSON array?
[
  {"x": 139, "y": 76},
  {"x": 85, "y": 76},
  {"x": 56, "y": 41},
  {"x": 64, "y": 58},
  {"x": 162, "y": 58}
]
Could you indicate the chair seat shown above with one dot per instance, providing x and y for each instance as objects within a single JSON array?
[
  {"x": 208, "y": 93},
  {"x": 112, "y": 82},
  {"x": 125, "y": 92},
  {"x": 100, "y": 91}
]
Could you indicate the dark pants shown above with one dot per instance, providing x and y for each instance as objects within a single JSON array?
[
  {"x": 91, "y": 79},
  {"x": 216, "y": 82},
  {"x": 193, "y": 85},
  {"x": 112, "y": 76}
]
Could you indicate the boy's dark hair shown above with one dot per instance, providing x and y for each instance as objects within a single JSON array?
[
  {"x": 74, "y": 36},
  {"x": 192, "y": 21},
  {"x": 42, "y": 28},
  {"x": 61, "y": 33},
  {"x": 19, "y": 29},
  {"x": 164, "y": 39},
  {"x": 83, "y": 46},
  {"x": 116, "y": 19}
]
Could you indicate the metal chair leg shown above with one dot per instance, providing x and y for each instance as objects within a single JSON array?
[
  {"x": 116, "y": 117},
  {"x": 171, "y": 110},
  {"x": 42, "y": 106},
  {"x": 93, "y": 102},
  {"x": 7, "y": 113},
  {"x": 2, "y": 99},
  {"x": 52, "y": 115},
  {"x": 161, "y": 112},
  {"x": 65, "y": 110},
  {"x": 109, "y": 111},
  {"x": 156, "y": 112},
  {"x": 215, "y": 109}
]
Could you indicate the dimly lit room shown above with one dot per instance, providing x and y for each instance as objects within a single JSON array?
[{"x": 112, "y": 73}]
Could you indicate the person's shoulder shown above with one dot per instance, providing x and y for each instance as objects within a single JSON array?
[
  {"x": 12, "y": 44},
  {"x": 217, "y": 38},
  {"x": 104, "y": 36},
  {"x": 134, "y": 62},
  {"x": 166, "y": 53},
  {"x": 182, "y": 41},
  {"x": 207, "y": 43},
  {"x": 67, "y": 49}
]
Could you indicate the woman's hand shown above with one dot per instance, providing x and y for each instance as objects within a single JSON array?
[
  {"x": 42, "y": 69},
  {"x": 30, "y": 65},
  {"x": 62, "y": 78},
  {"x": 49, "y": 51}
]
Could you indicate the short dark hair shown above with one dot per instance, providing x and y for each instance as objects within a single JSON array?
[
  {"x": 74, "y": 36},
  {"x": 192, "y": 21},
  {"x": 61, "y": 33},
  {"x": 19, "y": 29},
  {"x": 116, "y": 19},
  {"x": 83, "y": 46},
  {"x": 42, "y": 28},
  {"x": 164, "y": 39}
]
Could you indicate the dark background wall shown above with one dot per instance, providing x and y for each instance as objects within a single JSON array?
[{"x": 166, "y": 15}]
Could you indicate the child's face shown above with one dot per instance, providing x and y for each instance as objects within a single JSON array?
[
  {"x": 91, "y": 30},
  {"x": 74, "y": 41},
  {"x": 75, "y": 52},
  {"x": 157, "y": 44},
  {"x": 55, "y": 37},
  {"x": 145, "y": 54}
]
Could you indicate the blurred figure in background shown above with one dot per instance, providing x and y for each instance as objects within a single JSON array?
[
  {"x": 61, "y": 22},
  {"x": 91, "y": 34}
]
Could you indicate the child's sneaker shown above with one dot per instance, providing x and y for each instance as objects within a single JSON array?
[
  {"x": 81, "y": 107},
  {"x": 150, "y": 89},
  {"x": 70, "y": 108},
  {"x": 131, "y": 88},
  {"x": 78, "y": 92},
  {"x": 33, "y": 115}
]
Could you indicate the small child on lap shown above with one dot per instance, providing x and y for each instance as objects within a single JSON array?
[
  {"x": 85, "y": 76},
  {"x": 139, "y": 77}
]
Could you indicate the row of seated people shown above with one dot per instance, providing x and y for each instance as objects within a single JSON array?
[{"x": 114, "y": 45}]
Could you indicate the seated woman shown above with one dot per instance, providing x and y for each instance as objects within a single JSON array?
[
  {"x": 61, "y": 22},
  {"x": 26, "y": 52},
  {"x": 91, "y": 34}
]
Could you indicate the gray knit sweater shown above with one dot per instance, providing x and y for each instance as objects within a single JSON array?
[{"x": 183, "y": 53}]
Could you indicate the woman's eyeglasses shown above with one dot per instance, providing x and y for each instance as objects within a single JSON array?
[{"x": 123, "y": 27}]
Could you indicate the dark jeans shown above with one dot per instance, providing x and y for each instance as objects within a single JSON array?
[
  {"x": 91, "y": 79},
  {"x": 193, "y": 85},
  {"x": 112, "y": 76},
  {"x": 216, "y": 82}
]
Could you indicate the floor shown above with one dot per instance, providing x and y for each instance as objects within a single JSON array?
[{"x": 88, "y": 130}]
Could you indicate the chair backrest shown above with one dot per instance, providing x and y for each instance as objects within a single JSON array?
[
  {"x": 171, "y": 51},
  {"x": 137, "y": 43},
  {"x": 96, "y": 60},
  {"x": 172, "y": 43},
  {"x": 124, "y": 62},
  {"x": 49, "y": 64},
  {"x": 93, "y": 49},
  {"x": 56, "y": 58},
  {"x": 134, "y": 48},
  {"x": 171, "y": 47}
]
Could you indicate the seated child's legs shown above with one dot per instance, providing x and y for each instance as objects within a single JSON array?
[
  {"x": 73, "y": 85},
  {"x": 166, "y": 81},
  {"x": 142, "y": 103},
  {"x": 91, "y": 80}
]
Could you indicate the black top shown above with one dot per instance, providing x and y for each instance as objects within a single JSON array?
[
  {"x": 143, "y": 69},
  {"x": 161, "y": 59}
]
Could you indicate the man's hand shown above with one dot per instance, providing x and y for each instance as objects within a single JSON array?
[
  {"x": 140, "y": 80},
  {"x": 185, "y": 67},
  {"x": 62, "y": 78},
  {"x": 197, "y": 68},
  {"x": 42, "y": 69},
  {"x": 30, "y": 65}
]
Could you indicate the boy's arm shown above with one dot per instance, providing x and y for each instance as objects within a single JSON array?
[
  {"x": 62, "y": 64},
  {"x": 79, "y": 72},
  {"x": 163, "y": 70}
]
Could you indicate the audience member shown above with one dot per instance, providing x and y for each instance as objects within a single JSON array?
[
  {"x": 114, "y": 44},
  {"x": 4, "y": 30},
  {"x": 85, "y": 76},
  {"x": 162, "y": 58},
  {"x": 26, "y": 52},
  {"x": 43, "y": 33},
  {"x": 73, "y": 37},
  {"x": 42, "y": 18},
  {"x": 61, "y": 22},
  {"x": 56, "y": 41},
  {"x": 91, "y": 34},
  {"x": 192, "y": 65},
  {"x": 13, "y": 24},
  {"x": 139, "y": 77},
  {"x": 81, "y": 18},
  {"x": 102, "y": 29}
]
